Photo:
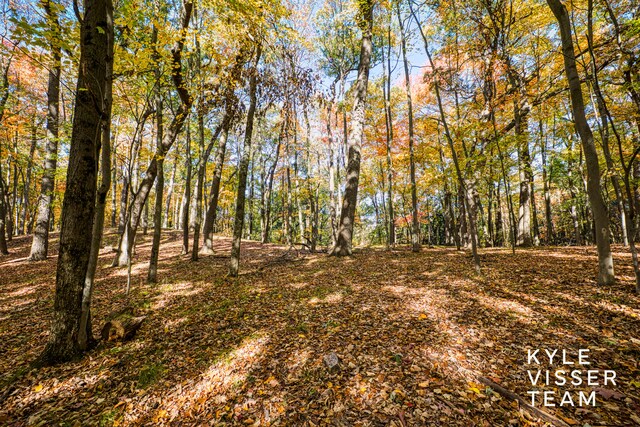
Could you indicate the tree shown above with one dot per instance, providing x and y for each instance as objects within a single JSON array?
[
  {"x": 343, "y": 245},
  {"x": 125, "y": 245},
  {"x": 78, "y": 207},
  {"x": 601, "y": 217},
  {"x": 40, "y": 244},
  {"x": 238, "y": 224},
  {"x": 415, "y": 225}
]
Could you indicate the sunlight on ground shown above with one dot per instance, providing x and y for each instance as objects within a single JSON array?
[
  {"x": 331, "y": 298},
  {"x": 194, "y": 395}
]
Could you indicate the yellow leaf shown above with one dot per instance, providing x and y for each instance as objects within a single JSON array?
[
  {"x": 38, "y": 388},
  {"x": 422, "y": 316}
]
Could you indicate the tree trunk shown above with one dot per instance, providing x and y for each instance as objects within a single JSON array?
[
  {"x": 391, "y": 232},
  {"x": 40, "y": 243},
  {"x": 347, "y": 214},
  {"x": 157, "y": 212},
  {"x": 524, "y": 160},
  {"x": 204, "y": 158},
  {"x": 80, "y": 196},
  {"x": 114, "y": 184},
  {"x": 266, "y": 197},
  {"x": 332, "y": 175},
  {"x": 605, "y": 260},
  {"x": 158, "y": 206},
  {"x": 27, "y": 181},
  {"x": 3, "y": 214},
  {"x": 167, "y": 213},
  {"x": 133, "y": 219},
  {"x": 186, "y": 200},
  {"x": 210, "y": 217},
  {"x": 415, "y": 226},
  {"x": 238, "y": 224}
]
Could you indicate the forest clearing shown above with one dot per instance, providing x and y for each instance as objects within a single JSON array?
[
  {"x": 327, "y": 212},
  {"x": 413, "y": 333}
]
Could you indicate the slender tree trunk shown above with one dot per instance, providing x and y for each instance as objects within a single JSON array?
[
  {"x": 463, "y": 184},
  {"x": 244, "y": 167},
  {"x": 80, "y": 196},
  {"x": 332, "y": 175},
  {"x": 605, "y": 259},
  {"x": 266, "y": 202},
  {"x": 524, "y": 160},
  {"x": 3, "y": 214},
  {"x": 27, "y": 181},
  {"x": 347, "y": 215},
  {"x": 167, "y": 214},
  {"x": 114, "y": 184},
  {"x": 210, "y": 217},
  {"x": 85, "y": 334},
  {"x": 186, "y": 200},
  {"x": 152, "y": 275},
  {"x": 415, "y": 225},
  {"x": 40, "y": 243},
  {"x": 386, "y": 91},
  {"x": 133, "y": 219},
  {"x": 199, "y": 185}
]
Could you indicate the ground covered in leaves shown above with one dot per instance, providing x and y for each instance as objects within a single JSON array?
[{"x": 413, "y": 334}]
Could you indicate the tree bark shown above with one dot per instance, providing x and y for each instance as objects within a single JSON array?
[
  {"x": 238, "y": 224},
  {"x": 158, "y": 205},
  {"x": 79, "y": 202},
  {"x": 40, "y": 243},
  {"x": 126, "y": 242},
  {"x": 343, "y": 245},
  {"x": 3, "y": 239},
  {"x": 415, "y": 225},
  {"x": 605, "y": 259},
  {"x": 85, "y": 334}
]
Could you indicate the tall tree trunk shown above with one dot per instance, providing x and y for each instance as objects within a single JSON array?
[
  {"x": 114, "y": 187},
  {"x": 40, "y": 243},
  {"x": 85, "y": 334},
  {"x": 3, "y": 214},
  {"x": 202, "y": 167},
  {"x": 348, "y": 212},
  {"x": 463, "y": 184},
  {"x": 238, "y": 224},
  {"x": 415, "y": 226},
  {"x": 27, "y": 181},
  {"x": 386, "y": 91},
  {"x": 549, "y": 239},
  {"x": 167, "y": 212},
  {"x": 152, "y": 275},
  {"x": 332, "y": 174},
  {"x": 133, "y": 219},
  {"x": 78, "y": 208},
  {"x": 210, "y": 217},
  {"x": 524, "y": 160},
  {"x": 605, "y": 259},
  {"x": 604, "y": 126},
  {"x": 266, "y": 198},
  {"x": 186, "y": 200}
]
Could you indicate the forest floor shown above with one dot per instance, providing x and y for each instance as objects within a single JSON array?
[{"x": 413, "y": 332}]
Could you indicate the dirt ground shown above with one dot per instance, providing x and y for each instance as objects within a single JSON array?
[{"x": 413, "y": 334}]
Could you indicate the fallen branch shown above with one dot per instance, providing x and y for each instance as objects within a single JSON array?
[{"x": 537, "y": 412}]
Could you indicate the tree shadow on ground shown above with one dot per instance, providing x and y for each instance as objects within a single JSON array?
[{"x": 413, "y": 332}]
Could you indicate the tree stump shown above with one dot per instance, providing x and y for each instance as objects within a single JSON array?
[{"x": 121, "y": 328}]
